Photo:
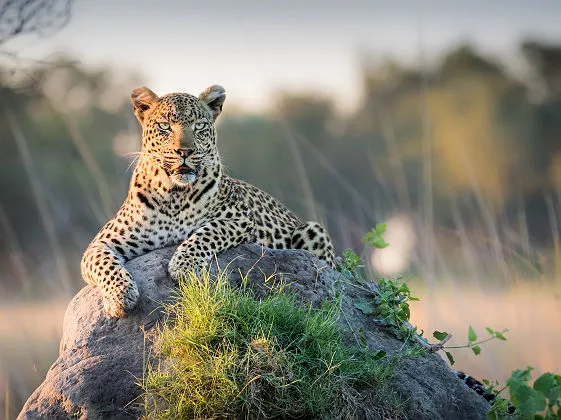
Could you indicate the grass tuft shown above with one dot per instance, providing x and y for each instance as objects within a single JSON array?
[{"x": 225, "y": 354}]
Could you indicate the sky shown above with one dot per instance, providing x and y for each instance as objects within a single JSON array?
[{"x": 254, "y": 48}]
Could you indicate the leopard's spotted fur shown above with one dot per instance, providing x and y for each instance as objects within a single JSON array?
[{"x": 179, "y": 194}]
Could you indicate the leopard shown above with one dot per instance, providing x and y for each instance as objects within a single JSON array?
[{"x": 180, "y": 195}]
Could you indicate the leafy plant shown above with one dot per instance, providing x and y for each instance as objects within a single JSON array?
[
  {"x": 540, "y": 401},
  {"x": 472, "y": 342},
  {"x": 391, "y": 305},
  {"x": 391, "y": 302},
  {"x": 375, "y": 236},
  {"x": 351, "y": 262}
]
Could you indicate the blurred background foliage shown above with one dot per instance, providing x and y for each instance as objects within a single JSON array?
[
  {"x": 466, "y": 154},
  {"x": 465, "y": 146},
  {"x": 60, "y": 175}
]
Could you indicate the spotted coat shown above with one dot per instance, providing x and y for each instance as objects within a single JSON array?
[{"x": 179, "y": 195}]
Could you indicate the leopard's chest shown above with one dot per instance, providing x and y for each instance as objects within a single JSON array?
[
  {"x": 173, "y": 222},
  {"x": 176, "y": 214}
]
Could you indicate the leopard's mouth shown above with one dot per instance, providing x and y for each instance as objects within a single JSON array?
[
  {"x": 184, "y": 174},
  {"x": 184, "y": 169}
]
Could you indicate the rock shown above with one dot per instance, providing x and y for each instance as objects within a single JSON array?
[{"x": 101, "y": 359}]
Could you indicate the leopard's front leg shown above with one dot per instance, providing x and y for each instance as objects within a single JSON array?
[
  {"x": 102, "y": 267},
  {"x": 197, "y": 251}
]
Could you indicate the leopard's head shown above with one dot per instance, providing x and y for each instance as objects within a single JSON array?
[{"x": 178, "y": 130}]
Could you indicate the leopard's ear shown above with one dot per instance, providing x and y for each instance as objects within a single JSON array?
[
  {"x": 214, "y": 96},
  {"x": 142, "y": 100}
]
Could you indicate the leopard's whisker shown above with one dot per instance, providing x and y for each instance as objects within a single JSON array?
[{"x": 141, "y": 155}]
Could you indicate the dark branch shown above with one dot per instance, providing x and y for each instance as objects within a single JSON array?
[{"x": 42, "y": 17}]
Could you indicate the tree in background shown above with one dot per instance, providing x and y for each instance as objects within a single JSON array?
[{"x": 24, "y": 17}]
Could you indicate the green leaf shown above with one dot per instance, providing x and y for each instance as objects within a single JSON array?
[
  {"x": 440, "y": 335},
  {"x": 348, "y": 253},
  {"x": 545, "y": 382},
  {"x": 450, "y": 357},
  {"x": 527, "y": 400},
  {"x": 362, "y": 337},
  {"x": 381, "y": 228},
  {"x": 374, "y": 237},
  {"x": 350, "y": 260},
  {"x": 490, "y": 331},
  {"x": 406, "y": 313},
  {"x": 365, "y": 306},
  {"x": 380, "y": 354},
  {"x": 471, "y": 334},
  {"x": 499, "y": 409},
  {"x": 368, "y": 238},
  {"x": 547, "y": 385},
  {"x": 500, "y": 336},
  {"x": 476, "y": 350},
  {"x": 403, "y": 288},
  {"x": 521, "y": 375},
  {"x": 379, "y": 243}
]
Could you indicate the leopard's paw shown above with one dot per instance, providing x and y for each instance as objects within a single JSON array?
[
  {"x": 120, "y": 301},
  {"x": 181, "y": 264}
]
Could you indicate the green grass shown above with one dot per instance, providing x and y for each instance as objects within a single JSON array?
[{"x": 224, "y": 354}]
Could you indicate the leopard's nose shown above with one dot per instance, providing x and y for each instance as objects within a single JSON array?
[{"x": 184, "y": 153}]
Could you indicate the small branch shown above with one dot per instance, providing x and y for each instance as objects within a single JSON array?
[
  {"x": 475, "y": 343},
  {"x": 433, "y": 348}
]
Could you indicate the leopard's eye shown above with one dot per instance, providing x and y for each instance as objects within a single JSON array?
[
  {"x": 164, "y": 126},
  {"x": 201, "y": 125}
]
